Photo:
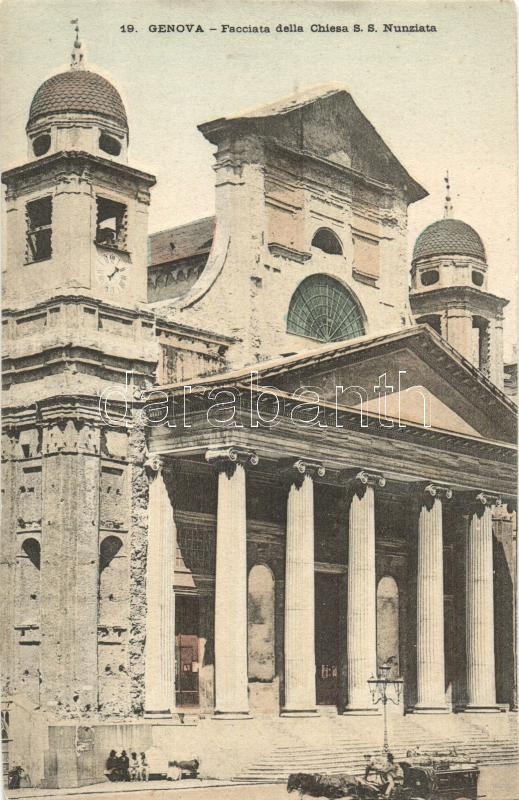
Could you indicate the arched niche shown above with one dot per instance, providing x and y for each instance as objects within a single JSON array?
[
  {"x": 28, "y": 581},
  {"x": 388, "y": 633},
  {"x": 108, "y": 549},
  {"x": 260, "y": 616},
  {"x": 112, "y": 579},
  {"x": 32, "y": 550}
]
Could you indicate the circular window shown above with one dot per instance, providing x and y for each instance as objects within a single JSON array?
[
  {"x": 323, "y": 309},
  {"x": 430, "y": 277},
  {"x": 109, "y": 145},
  {"x": 477, "y": 278},
  {"x": 41, "y": 144}
]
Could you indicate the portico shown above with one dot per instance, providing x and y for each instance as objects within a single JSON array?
[{"x": 353, "y": 510}]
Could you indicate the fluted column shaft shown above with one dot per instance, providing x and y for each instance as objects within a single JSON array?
[
  {"x": 361, "y": 625},
  {"x": 160, "y": 610},
  {"x": 481, "y": 680},
  {"x": 430, "y": 649},
  {"x": 299, "y": 598},
  {"x": 230, "y": 602}
]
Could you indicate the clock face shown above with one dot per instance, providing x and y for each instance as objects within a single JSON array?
[{"x": 112, "y": 272}]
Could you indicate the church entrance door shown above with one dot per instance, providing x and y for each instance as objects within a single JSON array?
[
  {"x": 187, "y": 654},
  {"x": 327, "y": 638}
]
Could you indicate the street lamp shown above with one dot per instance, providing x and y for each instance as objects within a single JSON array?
[{"x": 379, "y": 693}]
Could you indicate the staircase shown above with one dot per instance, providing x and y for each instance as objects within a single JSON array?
[{"x": 338, "y": 745}]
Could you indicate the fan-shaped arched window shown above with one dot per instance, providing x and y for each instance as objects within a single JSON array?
[
  {"x": 327, "y": 241},
  {"x": 323, "y": 309}
]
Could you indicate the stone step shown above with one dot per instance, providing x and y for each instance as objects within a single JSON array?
[
  {"x": 291, "y": 750},
  {"x": 275, "y": 775}
]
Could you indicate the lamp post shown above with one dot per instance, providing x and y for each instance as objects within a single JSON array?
[{"x": 379, "y": 693}]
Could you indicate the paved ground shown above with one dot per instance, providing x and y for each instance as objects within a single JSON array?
[{"x": 496, "y": 783}]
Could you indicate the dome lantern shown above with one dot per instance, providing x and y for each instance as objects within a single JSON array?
[
  {"x": 449, "y": 291},
  {"x": 449, "y": 252}
]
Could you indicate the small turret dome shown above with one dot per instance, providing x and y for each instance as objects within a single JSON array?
[
  {"x": 449, "y": 237},
  {"x": 78, "y": 91}
]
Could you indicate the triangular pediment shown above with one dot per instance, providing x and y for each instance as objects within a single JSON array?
[
  {"x": 422, "y": 380},
  {"x": 322, "y": 122},
  {"x": 410, "y": 377},
  {"x": 418, "y": 405}
]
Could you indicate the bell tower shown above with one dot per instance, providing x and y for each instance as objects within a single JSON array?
[
  {"x": 75, "y": 326},
  {"x": 449, "y": 277},
  {"x": 76, "y": 211}
]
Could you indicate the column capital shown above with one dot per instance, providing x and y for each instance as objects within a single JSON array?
[
  {"x": 360, "y": 478},
  {"x": 441, "y": 491},
  {"x": 156, "y": 464},
  {"x": 153, "y": 464},
  {"x": 368, "y": 478},
  {"x": 232, "y": 455},
  {"x": 478, "y": 501},
  {"x": 487, "y": 499},
  {"x": 303, "y": 467}
]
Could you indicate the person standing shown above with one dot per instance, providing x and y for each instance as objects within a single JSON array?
[
  {"x": 392, "y": 774},
  {"x": 144, "y": 767},
  {"x": 125, "y": 766},
  {"x": 135, "y": 770}
]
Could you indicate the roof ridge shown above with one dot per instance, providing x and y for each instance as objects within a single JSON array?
[{"x": 182, "y": 225}]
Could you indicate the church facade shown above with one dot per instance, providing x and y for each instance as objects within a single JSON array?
[{"x": 247, "y": 460}]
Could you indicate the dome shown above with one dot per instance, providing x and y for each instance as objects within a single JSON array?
[
  {"x": 78, "y": 90},
  {"x": 449, "y": 237}
]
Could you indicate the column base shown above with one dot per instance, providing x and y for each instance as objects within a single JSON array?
[
  {"x": 431, "y": 710},
  {"x": 472, "y": 709},
  {"x": 361, "y": 712},
  {"x": 300, "y": 712},
  {"x": 223, "y": 715},
  {"x": 161, "y": 715}
]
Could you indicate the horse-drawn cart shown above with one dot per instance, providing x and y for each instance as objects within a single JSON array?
[{"x": 435, "y": 780}]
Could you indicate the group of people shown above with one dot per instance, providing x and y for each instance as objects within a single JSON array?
[
  {"x": 121, "y": 767},
  {"x": 387, "y": 773},
  {"x": 18, "y": 778}
]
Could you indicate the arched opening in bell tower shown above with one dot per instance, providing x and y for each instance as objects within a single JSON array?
[
  {"x": 433, "y": 321},
  {"x": 481, "y": 344}
]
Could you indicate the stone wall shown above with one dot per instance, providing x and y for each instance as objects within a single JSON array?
[{"x": 270, "y": 202}]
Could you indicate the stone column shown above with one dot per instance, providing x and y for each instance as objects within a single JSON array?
[
  {"x": 299, "y": 652},
  {"x": 361, "y": 621},
  {"x": 479, "y": 588},
  {"x": 159, "y": 675},
  {"x": 430, "y": 648},
  {"x": 459, "y": 330},
  {"x": 230, "y": 602},
  {"x": 495, "y": 332}
]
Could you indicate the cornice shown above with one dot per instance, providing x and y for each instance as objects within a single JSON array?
[
  {"x": 133, "y": 312},
  {"x": 69, "y": 158},
  {"x": 460, "y": 293}
]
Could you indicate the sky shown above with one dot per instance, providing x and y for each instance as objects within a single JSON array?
[{"x": 444, "y": 100}]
